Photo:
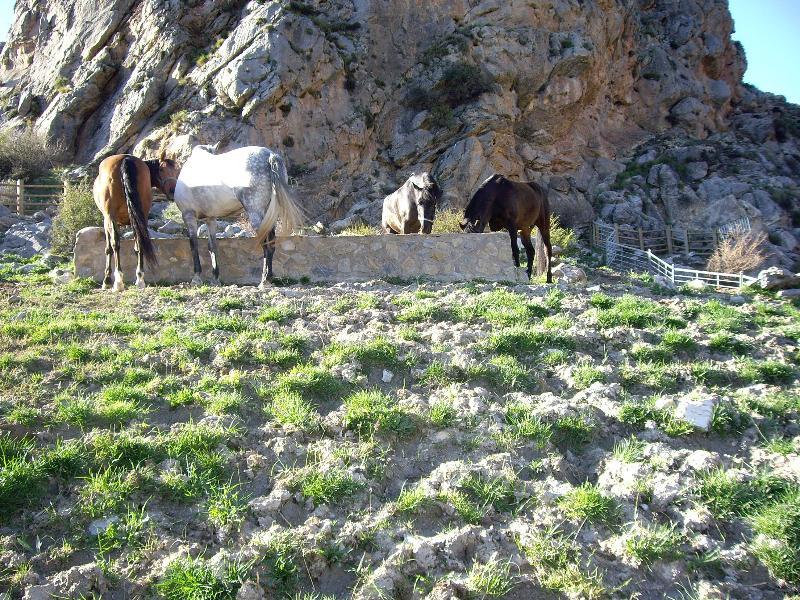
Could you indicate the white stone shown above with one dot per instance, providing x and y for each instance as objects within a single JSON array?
[
  {"x": 387, "y": 376},
  {"x": 99, "y": 526},
  {"x": 696, "y": 411}
]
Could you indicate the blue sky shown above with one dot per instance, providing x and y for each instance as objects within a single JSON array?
[{"x": 769, "y": 30}]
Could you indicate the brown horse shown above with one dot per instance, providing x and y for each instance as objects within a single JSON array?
[
  {"x": 515, "y": 206},
  {"x": 123, "y": 193}
]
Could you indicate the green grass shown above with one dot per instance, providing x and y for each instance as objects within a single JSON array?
[
  {"x": 497, "y": 492},
  {"x": 278, "y": 313},
  {"x": 442, "y": 414},
  {"x": 281, "y": 557},
  {"x": 311, "y": 379},
  {"x": 588, "y": 503},
  {"x": 777, "y": 545},
  {"x": 776, "y": 405},
  {"x": 726, "y": 496},
  {"x": 377, "y": 352},
  {"x": 290, "y": 408},
  {"x": 501, "y": 307},
  {"x": 765, "y": 371},
  {"x": 194, "y": 579},
  {"x": 640, "y": 313},
  {"x": 412, "y": 500},
  {"x": 585, "y": 374},
  {"x": 227, "y": 506},
  {"x": 573, "y": 431},
  {"x": 630, "y": 450},
  {"x": 636, "y": 413},
  {"x": 491, "y": 580},
  {"x": 328, "y": 487},
  {"x": 556, "y": 561},
  {"x": 522, "y": 424},
  {"x": 371, "y": 411},
  {"x": 728, "y": 343},
  {"x": 650, "y": 544},
  {"x": 464, "y": 507},
  {"x": 715, "y": 317},
  {"x": 519, "y": 341}
]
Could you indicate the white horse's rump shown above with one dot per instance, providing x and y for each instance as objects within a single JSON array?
[{"x": 253, "y": 180}]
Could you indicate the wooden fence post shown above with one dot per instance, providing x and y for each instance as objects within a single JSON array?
[
  {"x": 686, "y": 240},
  {"x": 668, "y": 231},
  {"x": 616, "y": 233},
  {"x": 641, "y": 240},
  {"x": 20, "y": 198}
]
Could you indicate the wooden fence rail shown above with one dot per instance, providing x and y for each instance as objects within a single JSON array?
[{"x": 26, "y": 199}]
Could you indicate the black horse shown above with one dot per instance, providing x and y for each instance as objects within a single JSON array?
[{"x": 516, "y": 206}]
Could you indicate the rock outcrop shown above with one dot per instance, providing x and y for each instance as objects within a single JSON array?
[{"x": 359, "y": 93}]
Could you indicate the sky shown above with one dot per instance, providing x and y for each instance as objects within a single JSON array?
[{"x": 759, "y": 23}]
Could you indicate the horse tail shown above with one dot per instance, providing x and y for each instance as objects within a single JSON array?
[
  {"x": 135, "y": 211},
  {"x": 282, "y": 207}
]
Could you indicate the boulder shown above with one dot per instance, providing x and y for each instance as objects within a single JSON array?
[{"x": 778, "y": 278}]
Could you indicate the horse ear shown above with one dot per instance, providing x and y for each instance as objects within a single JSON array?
[
  {"x": 163, "y": 156},
  {"x": 463, "y": 223}
]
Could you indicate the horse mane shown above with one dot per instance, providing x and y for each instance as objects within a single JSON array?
[
  {"x": 477, "y": 196},
  {"x": 154, "y": 167}
]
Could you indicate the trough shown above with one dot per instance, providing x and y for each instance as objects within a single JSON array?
[{"x": 444, "y": 257}]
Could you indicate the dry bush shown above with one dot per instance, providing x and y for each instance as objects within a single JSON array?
[
  {"x": 739, "y": 253},
  {"x": 76, "y": 211},
  {"x": 27, "y": 155}
]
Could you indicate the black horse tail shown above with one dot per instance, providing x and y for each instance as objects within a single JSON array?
[{"x": 135, "y": 211}]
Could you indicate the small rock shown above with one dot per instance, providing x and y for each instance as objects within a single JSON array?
[
  {"x": 696, "y": 411},
  {"x": 99, "y": 526},
  {"x": 569, "y": 274},
  {"x": 41, "y": 216},
  {"x": 250, "y": 591},
  {"x": 697, "y": 285},
  {"x": 387, "y": 376}
]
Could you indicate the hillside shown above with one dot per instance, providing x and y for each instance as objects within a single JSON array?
[
  {"x": 398, "y": 440},
  {"x": 359, "y": 94}
]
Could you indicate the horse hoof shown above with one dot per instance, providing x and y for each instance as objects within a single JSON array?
[
  {"x": 140, "y": 284},
  {"x": 215, "y": 283},
  {"x": 196, "y": 281},
  {"x": 119, "y": 287},
  {"x": 265, "y": 285}
]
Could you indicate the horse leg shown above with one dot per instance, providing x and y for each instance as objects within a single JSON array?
[
  {"x": 119, "y": 279},
  {"x": 269, "y": 253},
  {"x": 139, "y": 265},
  {"x": 529, "y": 251},
  {"x": 211, "y": 223},
  {"x": 191, "y": 223},
  {"x": 544, "y": 231},
  {"x": 108, "y": 226},
  {"x": 512, "y": 231}
]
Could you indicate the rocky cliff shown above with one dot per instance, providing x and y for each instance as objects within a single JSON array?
[{"x": 359, "y": 93}]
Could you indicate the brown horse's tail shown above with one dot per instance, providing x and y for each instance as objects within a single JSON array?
[{"x": 135, "y": 211}]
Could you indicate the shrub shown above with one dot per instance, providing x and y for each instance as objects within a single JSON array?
[
  {"x": 77, "y": 210},
  {"x": 739, "y": 253},
  {"x": 27, "y": 155},
  {"x": 448, "y": 221},
  {"x": 462, "y": 82}
]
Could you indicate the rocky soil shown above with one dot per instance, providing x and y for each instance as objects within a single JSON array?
[{"x": 405, "y": 440}]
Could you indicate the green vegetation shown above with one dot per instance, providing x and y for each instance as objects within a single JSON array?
[
  {"x": 587, "y": 503},
  {"x": 76, "y": 211}
]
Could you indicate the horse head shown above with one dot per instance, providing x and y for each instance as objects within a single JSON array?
[
  {"x": 167, "y": 175},
  {"x": 426, "y": 198}
]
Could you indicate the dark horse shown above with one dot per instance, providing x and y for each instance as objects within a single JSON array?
[
  {"x": 123, "y": 193},
  {"x": 515, "y": 206}
]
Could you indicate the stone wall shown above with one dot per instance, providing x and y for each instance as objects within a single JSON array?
[{"x": 449, "y": 257}]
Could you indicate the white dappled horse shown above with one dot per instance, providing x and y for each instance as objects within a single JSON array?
[{"x": 253, "y": 180}]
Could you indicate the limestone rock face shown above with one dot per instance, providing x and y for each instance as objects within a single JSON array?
[{"x": 359, "y": 93}]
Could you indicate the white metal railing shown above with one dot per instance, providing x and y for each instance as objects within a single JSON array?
[
  {"x": 735, "y": 227},
  {"x": 636, "y": 259}
]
